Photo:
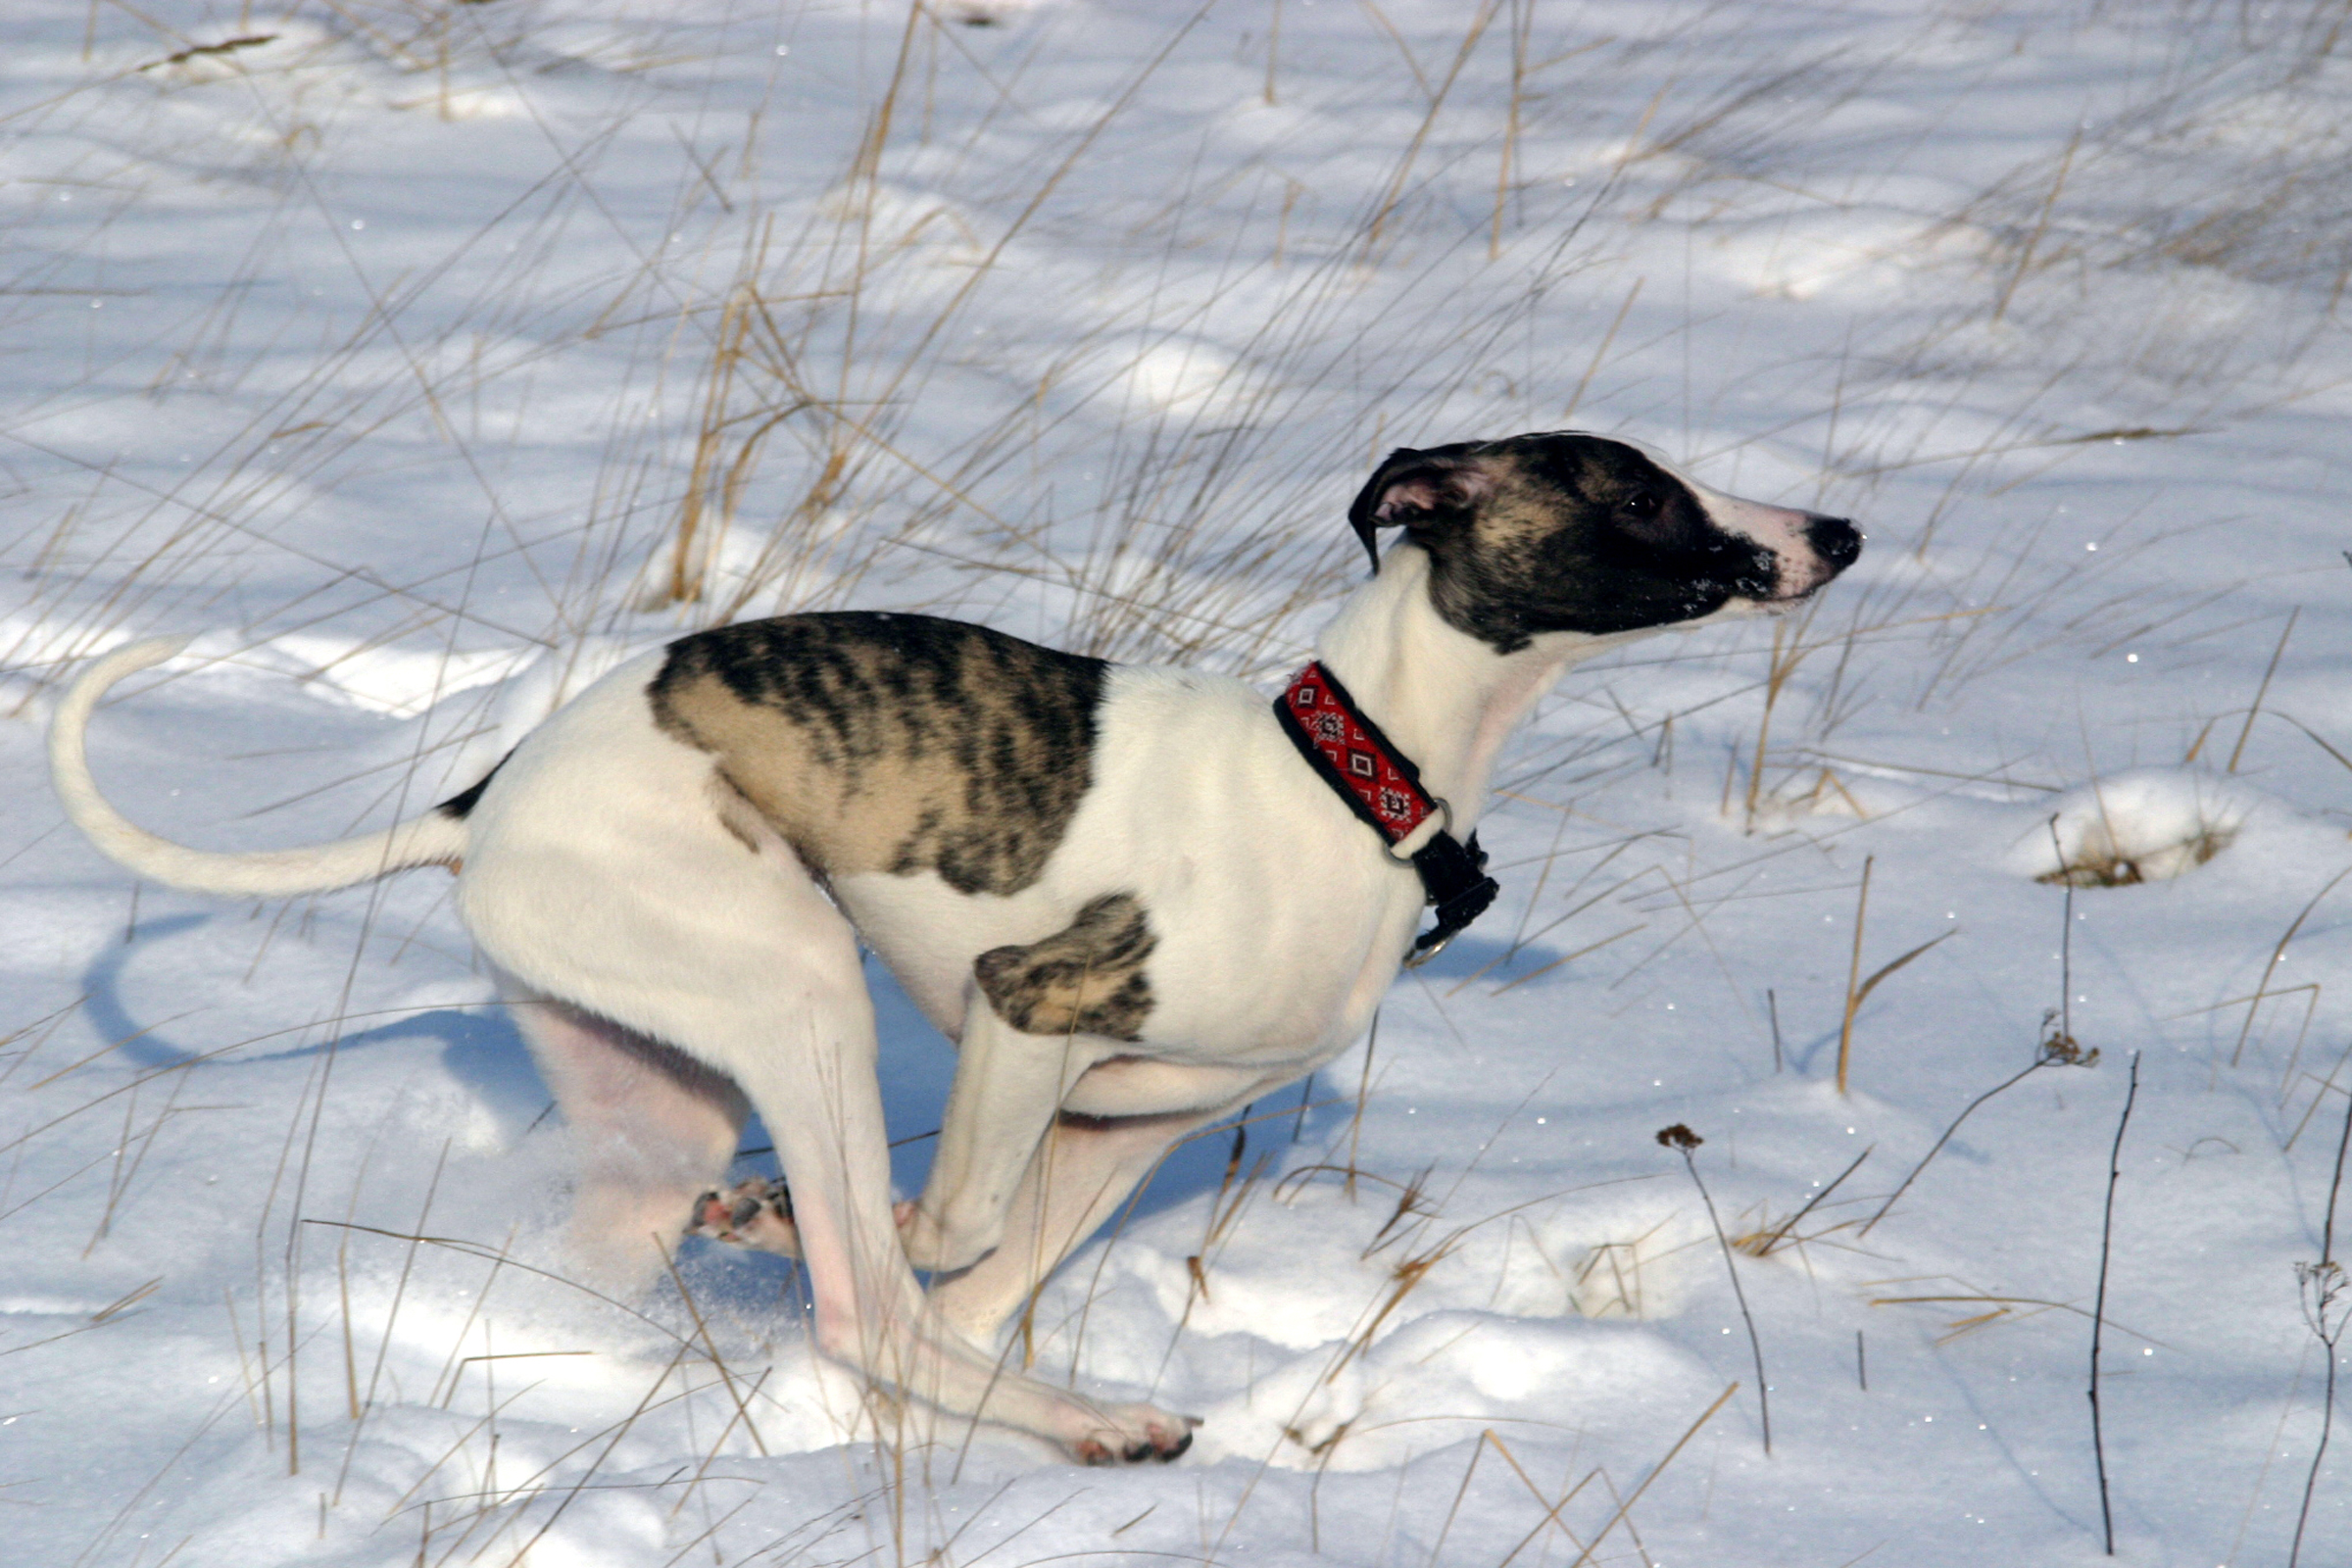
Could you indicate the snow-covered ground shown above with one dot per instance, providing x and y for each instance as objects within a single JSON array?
[{"x": 426, "y": 358}]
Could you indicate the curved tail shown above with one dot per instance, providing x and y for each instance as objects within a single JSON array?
[{"x": 433, "y": 839}]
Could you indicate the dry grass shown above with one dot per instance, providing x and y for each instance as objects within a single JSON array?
[
  {"x": 1158, "y": 479},
  {"x": 2099, "y": 864}
]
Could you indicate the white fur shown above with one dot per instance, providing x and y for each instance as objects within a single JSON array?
[{"x": 1779, "y": 529}]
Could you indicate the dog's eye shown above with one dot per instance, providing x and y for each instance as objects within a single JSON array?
[{"x": 1641, "y": 503}]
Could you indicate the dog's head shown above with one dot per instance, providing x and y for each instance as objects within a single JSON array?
[{"x": 1567, "y": 532}]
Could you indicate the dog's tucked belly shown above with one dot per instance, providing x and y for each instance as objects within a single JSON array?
[{"x": 1138, "y": 1086}]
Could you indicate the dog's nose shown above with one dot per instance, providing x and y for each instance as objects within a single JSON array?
[{"x": 1837, "y": 540}]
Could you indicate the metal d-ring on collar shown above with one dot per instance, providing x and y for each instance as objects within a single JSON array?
[
  {"x": 1453, "y": 876},
  {"x": 1383, "y": 787},
  {"x": 1422, "y": 955},
  {"x": 1435, "y": 941}
]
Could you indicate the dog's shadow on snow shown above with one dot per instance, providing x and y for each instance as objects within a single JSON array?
[
  {"x": 482, "y": 1050},
  {"x": 479, "y": 1046}
]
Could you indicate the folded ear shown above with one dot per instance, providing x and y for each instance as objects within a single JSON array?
[{"x": 1412, "y": 488}]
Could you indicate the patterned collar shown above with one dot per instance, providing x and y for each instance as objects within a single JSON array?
[{"x": 1383, "y": 787}]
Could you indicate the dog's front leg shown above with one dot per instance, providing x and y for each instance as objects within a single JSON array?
[
  {"x": 1008, "y": 1086},
  {"x": 1083, "y": 1171}
]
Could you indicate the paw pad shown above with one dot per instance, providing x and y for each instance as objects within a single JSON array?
[{"x": 726, "y": 1216}]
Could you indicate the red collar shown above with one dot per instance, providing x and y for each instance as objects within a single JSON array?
[
  {"x": 1377, "y": 780},
  {"x": 1384, "y": 788}
]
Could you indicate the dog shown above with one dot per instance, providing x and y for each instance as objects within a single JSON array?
[{"x": 1131, "y": 895}]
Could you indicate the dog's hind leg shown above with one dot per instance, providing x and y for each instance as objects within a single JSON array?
[
  {"x": 652, "y": 1129},
  {"x": 813, "y": 1082},
  {"x": 781, "y": 1006}
]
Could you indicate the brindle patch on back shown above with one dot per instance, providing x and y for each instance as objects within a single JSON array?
[
  {"x": 893, "y": 743},
  {"x": 1086, "y": 978}
]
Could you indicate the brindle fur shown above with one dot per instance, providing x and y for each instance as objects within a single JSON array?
[
  {"x": 1086, "y": 978},
  {"x": 1558, "y": 532},
  {"x": 893, "y": 743}
]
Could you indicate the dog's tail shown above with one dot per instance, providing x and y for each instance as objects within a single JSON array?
[{"x": 436, "y": 838}]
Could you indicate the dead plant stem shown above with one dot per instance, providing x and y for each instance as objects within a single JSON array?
[
  {"x": 1682, "y": 1139},
  {"x": 2323, "y": 1286},
  {"x": 2042, "y": 1059},
  {"x": 2099, "y": 1310}
]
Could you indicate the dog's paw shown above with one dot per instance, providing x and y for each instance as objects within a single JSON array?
[
  {"x": 756, "y": 1214},
  {"x": 937, "y": 1248},
  {"x": 1138, "y": 1432}
]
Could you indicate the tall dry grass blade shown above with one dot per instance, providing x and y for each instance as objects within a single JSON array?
[
  {"x": 711, "y": 1348},
  {"x": 573, "y": 1493},
  {"x": 1789, "y": 649},
  {"x": 1551, "y": 1511},
  {"x": 1657, "y": 1470},
  {"x": 2263, "y": 690},
  {"x": 1858, "y": 989},
  {"x": 1853, "y": 974},
  {"x": 1477, "y": 1452},
  {"x": 384, "y": 1344},
  {"x": 2041, "y": 224},
  {"x": 1521, "y": 18},
  {"x": 1273, "y": 55},
  {"x": 1600, "y": 352},
  {"x": 1762, "y": 1246},
  {"x": 2262, "y": 986},
  {"x": 1386, "y": 207}
]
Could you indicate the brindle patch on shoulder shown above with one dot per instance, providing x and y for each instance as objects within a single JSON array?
[
  {"x": 1086, "y": 978},
  {"x": 893, "y": 743}
]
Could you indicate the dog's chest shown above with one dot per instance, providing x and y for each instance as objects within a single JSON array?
[{"x": 1274, "y": 920}]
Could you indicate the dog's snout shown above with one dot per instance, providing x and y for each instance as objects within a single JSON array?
[{"x": 1837, "y": 540}]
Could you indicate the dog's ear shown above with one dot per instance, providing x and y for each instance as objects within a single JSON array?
[{"x": 1414, "y": 488}]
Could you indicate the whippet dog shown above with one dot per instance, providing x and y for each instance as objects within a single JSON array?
[{"x": 1136, "y": 897}]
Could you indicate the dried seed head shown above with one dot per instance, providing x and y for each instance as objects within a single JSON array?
[
  {"x": 1678, "y": 1137},
  {"x": 2064, "y": 1049}
]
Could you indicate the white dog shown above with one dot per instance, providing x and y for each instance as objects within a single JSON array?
[{"x": 1136, "y": 897}]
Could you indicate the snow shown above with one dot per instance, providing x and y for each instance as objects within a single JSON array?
[
  {"x": 389, "y": 354},
  {"x": 2149, "y": 825}
]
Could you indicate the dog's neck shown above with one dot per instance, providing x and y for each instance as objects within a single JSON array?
[{"x": 1445, "y": 699}]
